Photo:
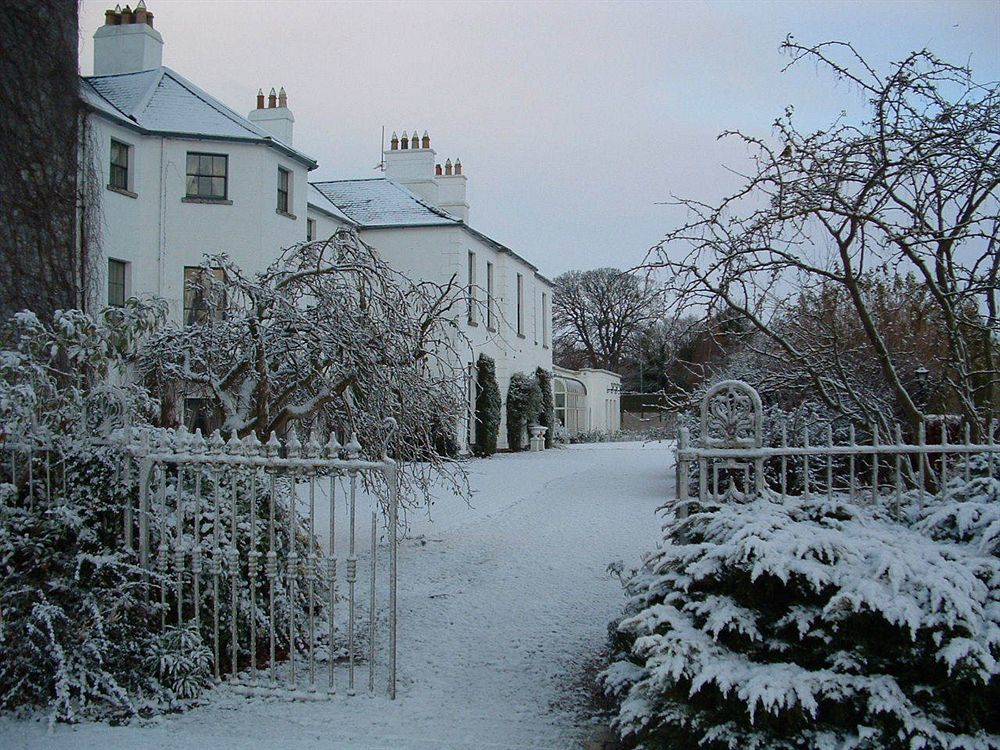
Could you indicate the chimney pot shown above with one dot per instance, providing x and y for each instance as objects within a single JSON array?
[
  {"x": 447, "y": 166},
  {"x": 458, "y": 166},
  {"x": 272, "y": 99},
  {"x": 415, "y": 141},
  {"x": 140, "y": 12},
  {"x": 425, "y": 142},
  {"x": 394, "y": 142},
  {"x": 282, "y": 98},
  {"x": 260, "y": 98},
  {"x": 404, "y": 142},
  {"x": 127, "y": 16},
  {"x": 110, "y": 17},
  {"x": 437, "y": 169}
]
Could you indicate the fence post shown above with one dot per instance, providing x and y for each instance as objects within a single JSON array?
[
  {"x": 392, "y": 477},
  {"x": 683, "y": 468}
]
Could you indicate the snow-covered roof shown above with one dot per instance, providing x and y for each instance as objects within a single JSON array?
[
  {"x": 321, "y": 203},
  {"x": 380, "y": 202},
  {"x": 162, "y": 102}
]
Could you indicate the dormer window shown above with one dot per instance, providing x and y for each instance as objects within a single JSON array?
[{"x": 207, "y": 176}]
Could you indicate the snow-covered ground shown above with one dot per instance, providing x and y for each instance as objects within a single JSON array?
[{"x": 503, "y": 609}]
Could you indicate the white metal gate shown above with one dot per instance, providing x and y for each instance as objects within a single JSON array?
[{"x": 227, "y": 531}]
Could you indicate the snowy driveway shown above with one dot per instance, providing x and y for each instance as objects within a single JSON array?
[{"x": 502, "y": 606}]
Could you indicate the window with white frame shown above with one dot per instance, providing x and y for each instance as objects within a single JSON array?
[
  {"x": 489, "y": 297},
  {"x": 570, "y": 397},
  {"x": 284, "y": 190},
  {"x": 310, "y": 230},
  {"x": 520, "y": 305},
  {"x": 119, "y": 173},
  {"x": 207, "y": 176},
  {"x": 117, "y": 283},
  {"x": 472, "y": 301},
  {"x": 545, "y": 319}
]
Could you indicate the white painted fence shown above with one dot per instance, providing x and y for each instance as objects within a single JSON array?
[
  {"x": 730, "y": 460},
  {"x": 226, "y": 532}
]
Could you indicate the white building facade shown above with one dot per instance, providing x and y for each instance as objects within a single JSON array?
[{"x": 179, "y": 175}]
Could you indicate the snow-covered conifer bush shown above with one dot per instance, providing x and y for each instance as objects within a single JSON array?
[
  {"x": 488, "y": 404},
  {"x": 547, "y": 415},
  {"x": 524, "y": 402},
  {"x": 815, "y": 623},
  {"x": 79, "y": 620}
]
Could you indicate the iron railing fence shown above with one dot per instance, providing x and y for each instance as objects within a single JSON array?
[
  {"x": 227, "y": 534},
  {"x": 730, "y": 460}
]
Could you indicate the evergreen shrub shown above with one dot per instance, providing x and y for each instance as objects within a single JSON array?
[
  {"x": 547, "y": 415},
  {"x": 524, "y": 402},
  {"x": 816, "y": 623},
  {"x": 488, "y": 404}
]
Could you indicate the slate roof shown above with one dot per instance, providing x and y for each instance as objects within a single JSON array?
[
  {"x": 162, "y": 102},
  {"x": 379, "y": 202},
  {"x": 317, "y": 200}
]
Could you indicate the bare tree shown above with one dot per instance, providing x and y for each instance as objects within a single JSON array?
[
  {"x": 328, "y": 336},
  {"x": 597, "y": 315},
  {"x": 39, "y": 182},
  {"x": 912, "y": 188}
]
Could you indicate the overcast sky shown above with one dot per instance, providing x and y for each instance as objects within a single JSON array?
[{"x": 573, "y": 120}]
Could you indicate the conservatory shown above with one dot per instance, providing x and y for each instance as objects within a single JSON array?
[
  {"x": 571, "y": 403},
  {"x": 587, "y": 400}
]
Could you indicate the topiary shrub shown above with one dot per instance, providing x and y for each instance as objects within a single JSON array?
[
  {"x": 547, "y": 415},
  {"x": 488, "y": 404},
  {"x": 814, "y": 623},
  {"x": 524, "y": 402}
]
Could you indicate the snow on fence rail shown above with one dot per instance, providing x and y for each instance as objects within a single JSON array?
[
  {"x": 225, "y": 547},
  {"x": 731, "y": 461}
]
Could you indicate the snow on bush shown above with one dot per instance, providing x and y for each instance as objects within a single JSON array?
[
  {"x": 547, "y": 412},
  {"x": 524, "y": 402},
  {"x": 815, "y": 623},
  {"x": 80, "y": 622}
]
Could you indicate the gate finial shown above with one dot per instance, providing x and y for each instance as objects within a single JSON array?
[{"x": 731, "y": 416}]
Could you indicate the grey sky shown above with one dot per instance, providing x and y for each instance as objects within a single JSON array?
[{"x": 572, "y": 119}]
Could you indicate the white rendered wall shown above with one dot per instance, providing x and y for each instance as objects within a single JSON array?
[
  {"x": 439, "y": 253},
  {"x": 158, "y": 233}
]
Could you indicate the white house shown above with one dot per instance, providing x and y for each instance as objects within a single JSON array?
[
  {"x": 180, "y": 174},
  {"x": 417, "y": 218}
]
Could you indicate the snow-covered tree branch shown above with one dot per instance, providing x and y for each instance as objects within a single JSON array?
[{"x": 327, "y": 337}]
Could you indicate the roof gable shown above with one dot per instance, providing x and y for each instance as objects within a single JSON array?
[{"x": 162, "y": 101}]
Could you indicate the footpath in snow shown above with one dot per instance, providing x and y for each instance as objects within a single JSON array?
[{"x": 503, "y": 612}]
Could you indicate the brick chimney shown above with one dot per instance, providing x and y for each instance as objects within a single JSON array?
[
  {"x": 127, "y": 42},
  {"x": 276, "y": 118}
]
